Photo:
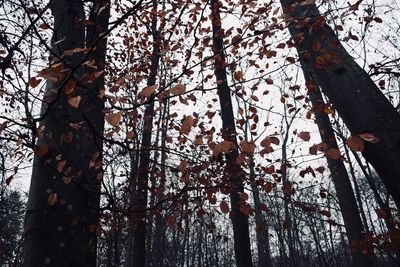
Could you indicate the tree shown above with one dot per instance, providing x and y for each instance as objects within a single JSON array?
[
  {"x": 233, "y": 172},
  {"x": 11, "y": 220},
  {"x": 340, "y": 177},
  {"x": 360, "y": 103},
  {"x": 61, "y": 224},
  {"x": 139, "y": 233}
]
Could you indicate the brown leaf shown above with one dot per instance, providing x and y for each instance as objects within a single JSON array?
[
  {"x": 33, "y": 82},
  {"x": 170, "y": 220},
  {"x": 70, "y": 87},
  {"x": 224, "y": 207},
  {"x": 67, "y": 179},
  {"x": 355, "y": 143},
  {"x": 369, "y": 138},
  {"x": 114, "y": 118},
  {"x": 320, "y": 169},
  {"x": 74, "y": 101},
  {"x": 183, "y": 166},
  {"x": 244, "y": 196},
  {"x": 52, "y": 199},
  {"x": 287, "y": 188},
  {"x": 178, "y": 89},
  {"x": 42, "y": 150},
  {"x": 268, "y": 187},
  {"x": 44, "y": 26},
  {"x": 333, "y": 153},
  {"x": 247, "y": 147},
  {"x": 255, "y": 98},
  {"x": 147, "y": 91},
  {"x": 304, "y": 136},
  {"x": 130, "y": 135},
  {"x": 267, "y": 141},
  {"x": 60, "y": 165},
  {"x": 187, "y": 125},
  {"x": 238, "y": 75},
  {"x": 326, "y": 213},
  {"x": 269, "y": 81}
]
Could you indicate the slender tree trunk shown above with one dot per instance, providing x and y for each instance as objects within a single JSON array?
[
  {"x": 62, "y": 214},
  {"x": 340, "y": 177},
  {"x": 358, "y": 100},
  {"x": 233, "y": 170},
  {"x": 134, "y": 160},
  {"x": 139, "y": 232},
  {"x": 159, "y": 231},
  {"x": 264, "y": 255}
]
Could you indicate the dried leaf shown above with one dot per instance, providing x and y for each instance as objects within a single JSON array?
[
  {"x": 178, "y": 89},
  {"x": 42, "y": 150},
  {"x": 67, "y": 179},
  {"x": 187, "y": 125},
  {"x": 74, "y": 101},
  {"x": 304, "y": 136},
  {"x": 287, "y": 188},
  {"x": 355, "y": 143},
  {"x": 267, "y": 141},
  {"x": 52, "y": 199},
  {"x": 114, "y": 118},
  {"x": 326, "y": 213},
  {"x": 33, "y": 82},
  {"x": 224, "y": 207},
  {"x": 369, "y": 138},
  {"x": 269, "y": 81},
  {"x": 60, "y": 165},
  {"x": 147, "y": 91},
  {"x": 333, "y": 153},
  {"x": 244, "y": 196},
  {"x": 170, "y": 220},
  {"x": 238, "y": 75},
  {"x": 247, "y": 147}
]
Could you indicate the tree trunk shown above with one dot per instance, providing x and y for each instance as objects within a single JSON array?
[
  {"x": 61, "y": 223},
  {"x": 340, "y": 177},
  {"x": 352, "y": 92},
  {"x": 139, "y": 232},
  {"x": 232, "y": 170}
]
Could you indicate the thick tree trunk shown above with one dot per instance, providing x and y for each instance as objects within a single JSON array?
[
  {"x": 340, "y": 177},
  {"x": 61, "y": 222},
  {"x": 233, "y": 171},
  {"x": 360, "y": 103}
]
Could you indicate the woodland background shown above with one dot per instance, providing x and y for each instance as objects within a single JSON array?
[{"x": 199, "y": 133}]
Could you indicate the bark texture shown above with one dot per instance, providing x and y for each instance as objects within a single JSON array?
[
  {"x": 61, "y": 223},
  {"x": 340, "y": 178},
  {"x": 233, "y": 170},
  {"x": 360, "y": 103}
]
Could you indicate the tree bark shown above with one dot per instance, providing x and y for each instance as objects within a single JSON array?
[
  {"x": 358, "y": 100},
  {"x": 232, "y": 170},
  {"x": 62, "y": 220},
  {"x": 139, "y": 232},
  {"x": 340, "y": 177}
]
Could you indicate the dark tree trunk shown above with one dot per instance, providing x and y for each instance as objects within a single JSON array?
[
  {"x": 233, "y": 171},
  {"x": 340, "y": 177},
  {"x": 158, "y": 250},
  {"x": 352, "y": 92},
  {"x": 61, "y": 223},
  {"x": 139, "y": 232}
]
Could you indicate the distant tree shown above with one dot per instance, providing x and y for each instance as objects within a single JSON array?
[{"x": 11, "y": 218}]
